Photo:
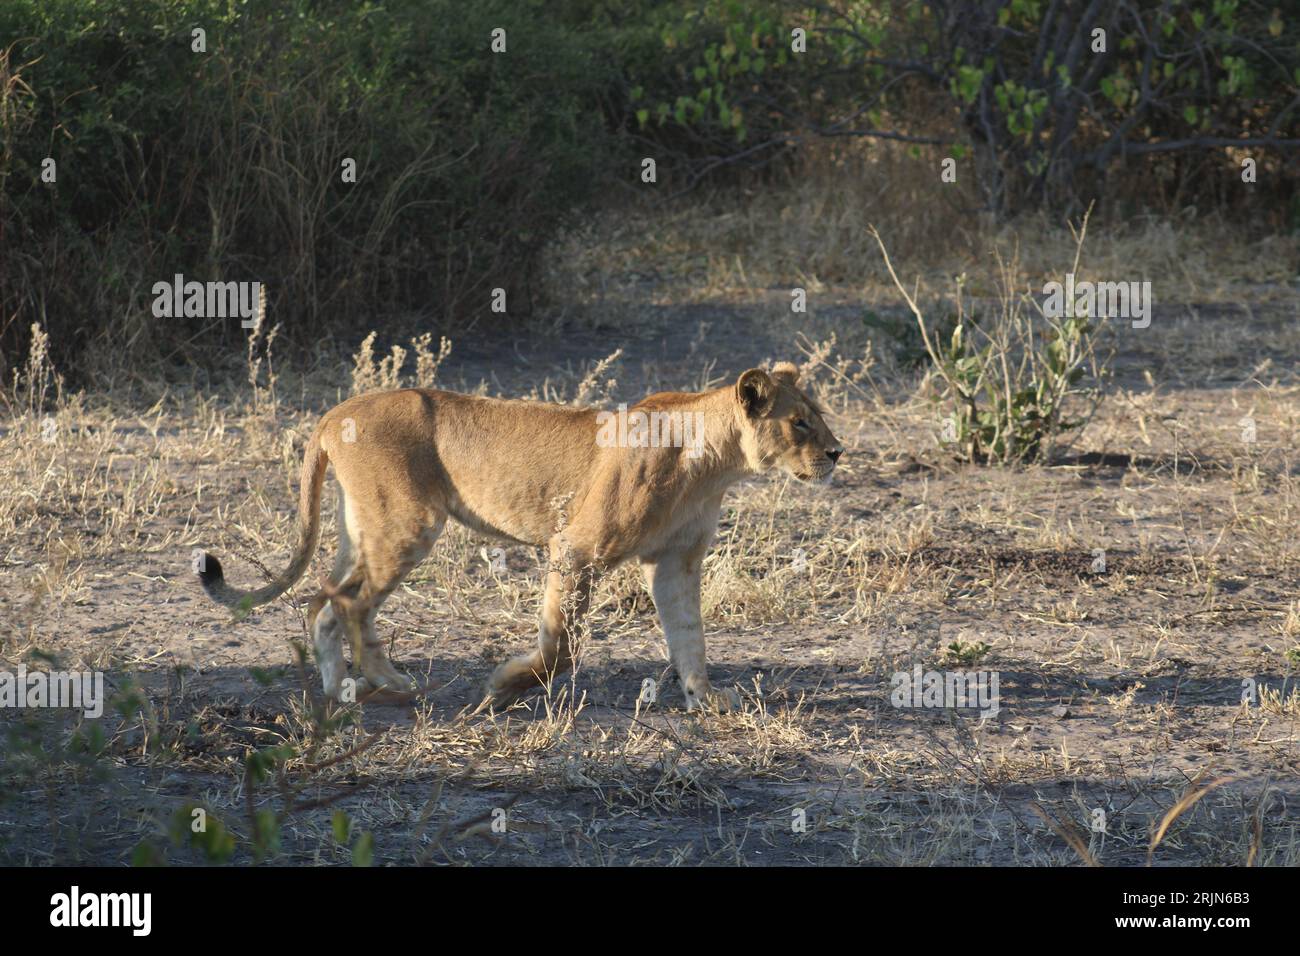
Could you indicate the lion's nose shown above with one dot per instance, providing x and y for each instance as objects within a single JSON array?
[{"x": 834, "y": 454}]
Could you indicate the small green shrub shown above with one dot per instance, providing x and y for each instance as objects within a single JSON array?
[
  {"x": 963, "y": 653},
  {"x": 1012, "y": 381}
]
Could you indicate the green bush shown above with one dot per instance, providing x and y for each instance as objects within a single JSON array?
[
  {"x": 1039, "y": 108},
  {"x": 1012, "y": 379}
]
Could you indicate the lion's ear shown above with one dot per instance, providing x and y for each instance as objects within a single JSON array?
[
  {"x": 787, "y": 372},
  {"x": 756, "y": 392}
]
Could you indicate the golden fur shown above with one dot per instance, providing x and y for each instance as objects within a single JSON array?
[{"x": 540, "y": 475}]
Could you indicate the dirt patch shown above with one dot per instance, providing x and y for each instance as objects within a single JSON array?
[{"x": 1137, "y": 602}]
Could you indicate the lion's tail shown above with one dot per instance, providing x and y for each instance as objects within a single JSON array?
[{"x": 209, "y": 569}]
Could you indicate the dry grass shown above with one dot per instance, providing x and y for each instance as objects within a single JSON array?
[
  {"x": 811, "y": 229},
  {"x": 1121, "y": 690}
]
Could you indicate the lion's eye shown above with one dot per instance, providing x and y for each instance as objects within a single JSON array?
[{"x": 802, "y": 425}]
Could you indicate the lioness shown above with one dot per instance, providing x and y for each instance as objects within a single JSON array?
[{"x": 535, "y": 474}]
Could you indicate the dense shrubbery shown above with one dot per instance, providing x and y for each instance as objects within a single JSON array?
[
  {"x": 226, "y": 164},
  {"x": 1053, "y": 101}
]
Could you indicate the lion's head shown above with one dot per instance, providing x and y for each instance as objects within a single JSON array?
[{"x": 782, "y": 427}]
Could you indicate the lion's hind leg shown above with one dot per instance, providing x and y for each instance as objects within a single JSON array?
[
  {"x": 386, "y": 561},
  {"x": 569, "y": 581},
  {"x": 334, "y": 613},
  {"x": 326, "y": 613}
]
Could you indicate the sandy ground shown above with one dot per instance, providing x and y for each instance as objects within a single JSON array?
[{"x": 1120, "y": 683}]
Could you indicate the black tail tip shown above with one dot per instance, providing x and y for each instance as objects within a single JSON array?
[{"x": 209, "y": 570}]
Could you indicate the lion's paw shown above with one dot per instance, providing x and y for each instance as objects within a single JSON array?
[
  {"x": 715, "y": 699},
  {"x": 391, "y": 687}
]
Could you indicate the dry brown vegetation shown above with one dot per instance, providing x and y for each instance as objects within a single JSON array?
[
  {"x": 1121, "y": 689},
  {"x": 812, "y": 228}
]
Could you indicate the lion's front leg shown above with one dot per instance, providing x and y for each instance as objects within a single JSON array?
[{"x": 674, "y": 583}]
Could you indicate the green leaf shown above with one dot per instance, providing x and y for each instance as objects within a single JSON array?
[
  {"x": 146, "y": 854},
  {"x": 363, "y": 851}
]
